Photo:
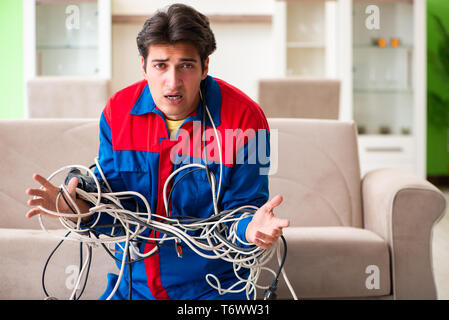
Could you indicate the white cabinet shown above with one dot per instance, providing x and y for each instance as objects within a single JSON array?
[
  {"x": 394, "y": 151},
  {"x": 378, "y": 51},
  {"x": 389, "y": 83}
]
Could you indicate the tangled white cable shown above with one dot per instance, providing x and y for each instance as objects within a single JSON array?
[{"x": 217, "y": 237}]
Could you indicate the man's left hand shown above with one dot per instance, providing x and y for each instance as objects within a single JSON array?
[{"x": 264, "y": 228}]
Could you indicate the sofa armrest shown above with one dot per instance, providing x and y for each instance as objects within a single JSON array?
[{"x": 403, "y": 208}]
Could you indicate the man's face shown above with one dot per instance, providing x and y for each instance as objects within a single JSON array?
[{"x": 174, "y": 75}]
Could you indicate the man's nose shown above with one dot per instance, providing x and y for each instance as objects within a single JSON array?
[{"x": 173, "y": 79}]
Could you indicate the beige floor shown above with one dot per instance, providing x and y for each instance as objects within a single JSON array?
[{"x": 441, "y": 252}]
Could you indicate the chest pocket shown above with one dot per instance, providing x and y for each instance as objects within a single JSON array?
[{"x": 134, "y": 168}]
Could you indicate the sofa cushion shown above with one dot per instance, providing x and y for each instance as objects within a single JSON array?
[
  {"x": 24, "y": 253},
  {"x": 333, "y": 262}
]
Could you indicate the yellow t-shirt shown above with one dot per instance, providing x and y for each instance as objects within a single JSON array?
[{"x": 173, "y": 126}]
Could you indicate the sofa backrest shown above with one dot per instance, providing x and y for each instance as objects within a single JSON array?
[
  {"x": 39, "y": 146},
  {"x": 293, "y": 97},
  {"x": 66, "y": 97},
  {"x": 315, "y": 166}
]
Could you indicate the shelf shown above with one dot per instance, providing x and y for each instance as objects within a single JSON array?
[
  {"x": 383, "y": 90},
  {"x": 214, "y": 18},
  {"x": 383, "y": 136},
  {"x": 371, "y": 47},
  {"x": 62, "y": 1},
  {"x": 305, "y": 45},
  {"x": 384, "y": 1},
  {"x": 68, "y": 47}
]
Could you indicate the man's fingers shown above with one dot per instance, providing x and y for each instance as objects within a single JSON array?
[
  {"x": 44, "y": 182},
  {"x": 33, "y": 212},
  {"x": 282, "y": 223},
  {"x": 35, "y": 202},
  {"x": 274, "y": 202},
  {"x": 261, "y": 244},
  {"x": 36, "y": 192},
  {"x": 73, "y": 183},
  {"x": 264, "y": 237},
  {"x": 277, "y": 232}
]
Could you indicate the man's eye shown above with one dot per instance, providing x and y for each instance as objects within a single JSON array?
[
  {"x": 159, "y": 65},
  {"x": 186, "y": 66}
]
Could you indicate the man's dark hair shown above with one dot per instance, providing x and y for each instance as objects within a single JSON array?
[{"x": 177, "y": 23}]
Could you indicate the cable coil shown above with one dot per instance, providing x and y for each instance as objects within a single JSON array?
[{"x": 214, "y": 237}]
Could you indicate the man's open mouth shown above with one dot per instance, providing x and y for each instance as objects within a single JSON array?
[{"x": 173, "y": 97}]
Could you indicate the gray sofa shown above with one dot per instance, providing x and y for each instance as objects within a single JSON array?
[{"x": 350, "y": 237}]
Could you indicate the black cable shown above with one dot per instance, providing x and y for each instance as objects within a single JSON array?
[
  {"x": 176, "y": 182},
  {"x": 46, "y": 264},
  {"x": 270, "y": 293},
  {"x": 130, "y": 276},
  {"x": 65, "y": 200},
  {"x": 284, "y": 256},
  {"x": 81, "y": 252}
]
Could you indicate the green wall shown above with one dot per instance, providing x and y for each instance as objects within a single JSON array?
[
  {"x": 437, "y": 136},
  {"x": 11, "y": 59}
]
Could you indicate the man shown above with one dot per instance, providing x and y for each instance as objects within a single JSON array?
[{"x": 140, "y": 128}]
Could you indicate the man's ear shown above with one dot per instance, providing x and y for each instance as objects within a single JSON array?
[
  {"x": 142, "y": 65},
  {"x": 205, "y": 69}
]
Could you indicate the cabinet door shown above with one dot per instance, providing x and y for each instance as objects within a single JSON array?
[
  {"x": 383, "y": 49},
  {"x": 389, "y": 80},
  {"x": 309, "y": 37},
  {"x": 67, "y": 38},
  {"x": 72, "y": 37}
]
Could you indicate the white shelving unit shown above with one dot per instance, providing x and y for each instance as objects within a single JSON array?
[
  {"x": 389, "y": 85},
  {"x": 66, "y": 38},
  {"x": 383, "y": 88}
]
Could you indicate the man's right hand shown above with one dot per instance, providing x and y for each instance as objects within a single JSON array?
[{"x": 46, "y": 198}]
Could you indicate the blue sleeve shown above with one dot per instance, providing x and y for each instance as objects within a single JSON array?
[
  {"x": 249, "y": 178},
  {"x": 106, "y": 158},
  {"x": 106, "y": 162}
]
